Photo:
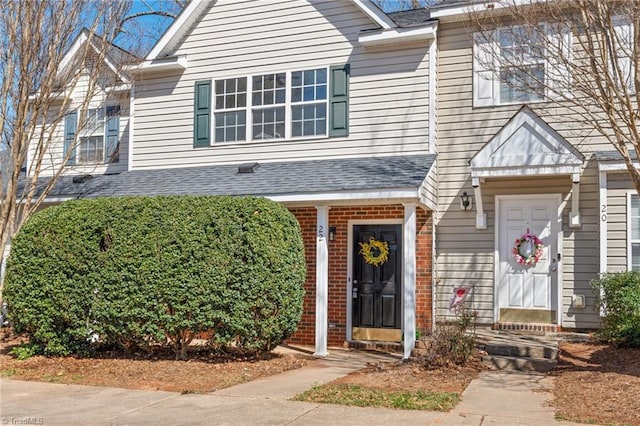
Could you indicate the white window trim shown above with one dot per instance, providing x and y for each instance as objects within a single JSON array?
[
  {"x": 629, "y": 241},
  {"x": 477, "y": 69},
  {"x": 619, "y": 22},
  {"x": 84, "y": 133},
  {"x": 288, "y": 105}
]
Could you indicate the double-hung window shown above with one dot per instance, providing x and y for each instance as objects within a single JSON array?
[
  {"x": 268, "y": 100},
  {"x": 91, "y": 146},
  {"x": 520, "y": 64},
  {"x": 633, "y": 232},
  {"x": 231, "y": 114},
  {"x": 97, "y": 140},
  {"x": 272, "y": 106},
  {"x": 275, "y": 106},
  {"x": 309, "y": 103}
]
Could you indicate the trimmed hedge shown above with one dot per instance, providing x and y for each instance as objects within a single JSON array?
[
  {"x": 141, "y": 271},
  {"x": 618, "y": 295}
]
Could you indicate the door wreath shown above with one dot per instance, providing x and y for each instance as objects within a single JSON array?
[
  {"x": 374, "y": 252},
  {"x": 528, "y": 249}
]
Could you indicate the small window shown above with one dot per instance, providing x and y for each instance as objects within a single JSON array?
[{"x": 98, "y": 140}]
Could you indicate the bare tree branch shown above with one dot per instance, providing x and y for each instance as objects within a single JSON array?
[
  {"x": 37, "y": 91},
  {"x": 578, "y": 56}
]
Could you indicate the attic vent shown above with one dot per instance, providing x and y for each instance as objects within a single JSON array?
[
  {"x": 248, "y": 168},
  {"x": 81, "y": 178}
]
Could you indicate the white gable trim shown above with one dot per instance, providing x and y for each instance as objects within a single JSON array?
[
  {"x": 526, "y": 146},
  {"x": 397, "y": 36},
  {"x": 375, "y": 14},
  {"x": 178, "y": 28},
  {"x": 81, "y": 39}
]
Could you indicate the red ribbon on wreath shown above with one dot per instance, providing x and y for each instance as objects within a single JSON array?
[{"x": 528, "y": 249}]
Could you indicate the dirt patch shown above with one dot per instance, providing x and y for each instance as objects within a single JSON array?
[
  {"x": 598, "y": 383},
  {"x": 205, "y": 372},
  {"x": 411, "y": 376}
]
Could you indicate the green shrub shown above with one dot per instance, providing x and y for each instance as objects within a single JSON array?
[
  {"x": 618, "y": 296},
  {"x": 138, "y": 271}
]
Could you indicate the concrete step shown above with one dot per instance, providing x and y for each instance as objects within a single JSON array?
[
  {"x": 541, "y": 365},
  {"x": 528, "y": 350}
]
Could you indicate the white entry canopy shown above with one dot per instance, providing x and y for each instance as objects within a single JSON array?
[{"x": 526, "y": 146}]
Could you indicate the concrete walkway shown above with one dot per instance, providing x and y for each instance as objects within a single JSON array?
[{"x": 497, "y": 398}]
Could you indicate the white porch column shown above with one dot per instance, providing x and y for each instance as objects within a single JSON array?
[
  {"x": 602, "y": 208},
  {"x": 481, "y": 216},
  {"x": 575, "y": 221},
  {"x": 409, "y": 277},
  {"x": 322, "y": 280}
]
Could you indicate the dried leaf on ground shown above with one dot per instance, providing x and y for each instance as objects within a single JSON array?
[{"x": 598, "y": 383}]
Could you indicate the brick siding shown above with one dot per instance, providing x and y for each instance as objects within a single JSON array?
[{"x": 338, "y": 252}]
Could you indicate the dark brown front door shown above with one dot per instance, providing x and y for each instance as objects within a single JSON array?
[{"x": 377, "y": 290}]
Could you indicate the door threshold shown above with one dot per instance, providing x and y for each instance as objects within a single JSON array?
[
  {"x": 376, "y": 334},
  {"x": 369, "y": 345}
]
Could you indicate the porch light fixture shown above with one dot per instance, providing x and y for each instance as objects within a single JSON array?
[
  {"x": 332, "y": 233},
  {"x": 465, "y": 201}
]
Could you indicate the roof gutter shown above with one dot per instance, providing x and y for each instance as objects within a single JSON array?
[
  {"x": 171, "y": 63},
  {"x": 398, "y": 36}
]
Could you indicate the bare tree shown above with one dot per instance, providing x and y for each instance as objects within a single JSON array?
[
  {"x": 35, "y": 91},
  {"x": 399, "y": 5},
  {"x": 579, "y": 55},
  {"x": 146, "y": 21}
]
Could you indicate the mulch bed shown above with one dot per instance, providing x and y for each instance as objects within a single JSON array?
[
  {"x": 598, "y": 383},
  {"x": 205, "y": 371}
]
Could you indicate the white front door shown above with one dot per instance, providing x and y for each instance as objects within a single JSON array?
[{"x": 528, "y": 293}]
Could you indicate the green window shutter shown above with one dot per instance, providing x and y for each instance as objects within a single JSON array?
[
  {"x": 112, "y": 142},
  {"x": 70, "y": 126},
  {"x": 202, "y": 114},
  {"x": 339, "y": 101}
]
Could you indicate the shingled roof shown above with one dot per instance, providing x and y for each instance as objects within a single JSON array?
[{"x": 268, "y": 179}]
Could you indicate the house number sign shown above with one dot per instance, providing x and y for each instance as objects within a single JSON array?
[
  {"x": 320, "y": 231},
  {"x": 603, "y": 213}
]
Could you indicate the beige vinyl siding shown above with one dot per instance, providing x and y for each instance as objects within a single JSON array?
[
  {"x": 388, "y": 93},
  {"x": 429, "y": 188},
  {"x": 618, "y": 187},
  {"x": 466, "y": 255},
  {"x": 55, "y": 127}
]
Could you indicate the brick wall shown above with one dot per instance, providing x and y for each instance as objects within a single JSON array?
[{"x": 338, "y": 250}]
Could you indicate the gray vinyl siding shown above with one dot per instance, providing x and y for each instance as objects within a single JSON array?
[
  {"x": 618, "y": 187},
  {"x": 388, "y": 95},
  {"x": 465, "y": 255}
]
